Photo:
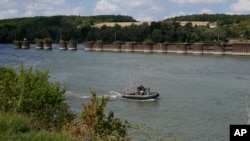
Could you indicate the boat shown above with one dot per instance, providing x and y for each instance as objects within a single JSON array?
[{"x": 140, "y": 94}]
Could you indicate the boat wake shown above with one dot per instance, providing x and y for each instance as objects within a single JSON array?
[
  {"x": 78, "y": 95},
  {"x": 111, "y": 95},
  {"x": 114, "y": 94}
]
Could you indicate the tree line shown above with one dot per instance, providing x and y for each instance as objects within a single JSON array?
[
  {"x": 221, "y": 19},
  {"x": 80, "y": 29}
]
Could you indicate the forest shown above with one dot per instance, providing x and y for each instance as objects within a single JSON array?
[{"x": 80, "y": 29}]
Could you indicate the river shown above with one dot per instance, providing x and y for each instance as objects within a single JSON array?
[{"x": 200, "y": 95}]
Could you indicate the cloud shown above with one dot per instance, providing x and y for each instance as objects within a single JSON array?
[
  {"x": 180, "y": 13},
  {"x": 142, "y": 10},
  {"x": 2, "y": 2},
  {"x": 55, "y": 8},
  {"x": 206, "y": 11},
  {"x": 105, "y": 7},
  {"x": 241, "y": 6},
  {"x": 8, "y": 13},
  {"x": 197, "y": 1},
  {"x": 28, "y": 8}
]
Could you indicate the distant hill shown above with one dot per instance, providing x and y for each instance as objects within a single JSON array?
[
  {"x": 68, "y": 19},
  {"x": 109, "y": 28},
  {"x": 56, "y": 27},
  {"x": 122, "y": 24},
  {"x": 221, "y": 19}
]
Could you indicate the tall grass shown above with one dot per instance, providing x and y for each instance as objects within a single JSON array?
[
  {"x": 40, "y": 136},
  {"x": 17, "y": 127},
  {"x": 14, "y": 123}
]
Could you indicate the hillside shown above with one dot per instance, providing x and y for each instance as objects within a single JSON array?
[
  {"x": 108, "y": 28},
  {"x": 221, "y": 19},
  {"x": 56, "y": 27}
]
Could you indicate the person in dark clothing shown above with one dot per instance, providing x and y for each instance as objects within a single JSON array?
[{"x": 140, "y": 89}]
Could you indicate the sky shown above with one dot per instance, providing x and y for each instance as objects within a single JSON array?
[{"x": 141, "y": 10}]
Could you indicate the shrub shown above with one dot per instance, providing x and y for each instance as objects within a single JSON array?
[
  {"x": 14, "y": 123},
  {"x": 93, "y": 124},
  {"x": 38, "y": 40},
  {"x": 72, "y": 41},
  {"x": 148, "y": 41},
  {"x": 61, "y": 41},
  {"x": 31, "y": 93},
  {"x": 47, "y": 40},
  {"x": 17, "y": 127},
  {"x": 99, "y": 41}
]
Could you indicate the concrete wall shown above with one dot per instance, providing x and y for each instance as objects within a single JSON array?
[
  {"x": 17, "y": 44},
  {"x": 182, "y": 48}
]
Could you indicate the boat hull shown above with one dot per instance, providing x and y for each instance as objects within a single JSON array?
[{"x": 141, "y": 97}]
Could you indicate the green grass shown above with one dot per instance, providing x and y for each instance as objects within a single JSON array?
[{"x": 16, "y": 127}]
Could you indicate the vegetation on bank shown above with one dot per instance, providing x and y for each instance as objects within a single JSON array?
[
  {"x": 30, "y": 93},
  {"x": 169, "y": 30},
  {"x": 18, "y": 127},
  {"x": 33, "y": 108}
]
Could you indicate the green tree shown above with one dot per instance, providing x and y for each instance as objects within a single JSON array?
[
  {"x": 157, "y": 36},
  {"x": 168, "y": 31},
  {"x": 93, "y": 124},
  {"x": 29, "y": 92}
]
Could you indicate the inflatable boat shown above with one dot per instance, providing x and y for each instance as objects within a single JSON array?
[{"x": 140, "y": 95}]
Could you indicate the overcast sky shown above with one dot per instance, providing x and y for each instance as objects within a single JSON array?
[{"x": 141, "y": 10}]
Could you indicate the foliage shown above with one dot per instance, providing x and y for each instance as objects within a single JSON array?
[
  {"x": 47, "y": 40},
  {"x": 30, "y": 92},
  {"x": 80, "y": 28},
  {"x": 93, "y": 124},
  {"x": 17, "y": 127},
  {"x": 99, "y": 41},
  {"x": 222, "y": 19},
  {"x": 146, "y": 133},
  {"x": 148, "y": 41},
  {"x": 117, "y": 42},
  {"x": 54, "y": 27},
  {"x": 72, "y": 41},
  {"x": 38, "y": 40},
  {"x": 14, "y": 123},
  {"x": 61, "y": 41}
]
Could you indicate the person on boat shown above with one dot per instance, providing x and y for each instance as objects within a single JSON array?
[
  {"x": 129, "y": 91},
  {"x": 140, "y": 89}
]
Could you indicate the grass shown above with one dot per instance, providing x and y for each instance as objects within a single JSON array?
[{"x": 16, "y": 127}]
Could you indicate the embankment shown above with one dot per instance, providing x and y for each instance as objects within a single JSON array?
[{"x": 183, "y": 48}]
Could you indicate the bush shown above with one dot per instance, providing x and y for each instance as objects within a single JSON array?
[
  {"x": 17, "y": 127},
  {"x": 40, "y": 136},
  {"x": 30, "y": 92},
  {"x": 93, "y": 124},
  {"x": 72, "y": 41},
  {"x": 61, "y": 42},
  {"x": 14, "y": 123},
  {"x": 99, "y": 41},
  {"x": 38, "y": 40},
  {"x": 148, "y": 41},
  {"x": 47, "y": 40}
]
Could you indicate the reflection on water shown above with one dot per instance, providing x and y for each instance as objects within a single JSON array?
[{"x": 200, "y": 96}]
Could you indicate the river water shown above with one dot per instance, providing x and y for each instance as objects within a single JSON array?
[{"x": 200, "y": 95}]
